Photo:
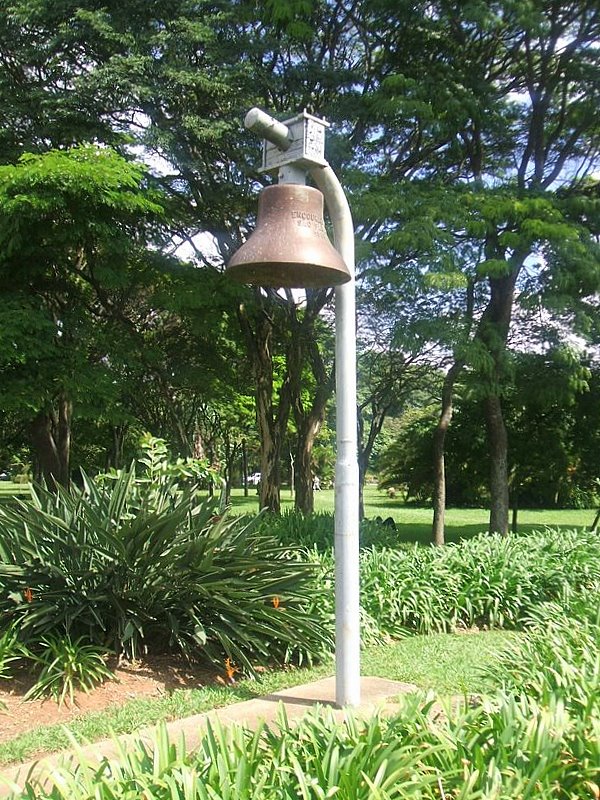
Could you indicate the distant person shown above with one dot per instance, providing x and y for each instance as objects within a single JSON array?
[{"x": 316, "y": 483}]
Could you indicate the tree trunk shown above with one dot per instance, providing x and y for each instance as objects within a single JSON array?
[
  {"x": 307, "y": 434},
  {"x": 245, "y": 467},
  {"x": 271, "y": 422},
  {"x": 308, "y": 422},
  {"x": 51, "y": 440},
  {"x": 439, "y": 459},
  {"x": 115, "y": 454},
  {"x": 292, "y": 474},
  {"x": 63, "y": 439},
  {"x": 269, "y": 429},
  {"x": 198, "y": 450},
  {"x": 363, "y": 460},
  {"x": 365, "y": 448},
  {"x": 493, "y": 333},
  {"x": 439, "y": 479},
  {"x": 44, "y": 445},
  {"x": 303, "y": 478},
  {"x": 231, "y": 454},
  {"x": 272, "y": 417},
  {"x": 498, "y": 442},
  {"x": 515, "y": 515},
  {"x": 439, "y": 437},
  {"x": 270, "y": 479},
  {"x": 361, "y": 491}
]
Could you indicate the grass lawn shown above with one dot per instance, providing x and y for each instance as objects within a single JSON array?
[
  {"x": 414, "y": 524},
  {"x": 9, "y": 489},
  {"x": 447, "y": 663}
]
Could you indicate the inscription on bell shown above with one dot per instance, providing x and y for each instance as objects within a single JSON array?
[{"x": 307, "y": 219}]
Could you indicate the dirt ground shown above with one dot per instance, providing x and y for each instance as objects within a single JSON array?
[{"x": 153, "y": 678}]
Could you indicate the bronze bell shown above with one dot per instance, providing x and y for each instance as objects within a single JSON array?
[{"x": 290, "y": 246}]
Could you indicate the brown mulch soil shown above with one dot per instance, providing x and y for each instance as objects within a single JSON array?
[{"x": 156, "y": 676}]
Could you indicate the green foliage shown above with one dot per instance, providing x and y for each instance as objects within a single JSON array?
[
  {"x": 560, "y": 656},
  {"x": 99, "y": 564},
  {"x": 75, "y": 227},
  {"x": 69, "y": 207},
  {"x": 466, "y": 154},
  {"x": 487, "y": 581},
  {"x": 446, "y": 663},
  {"x": 67, "y": 665},
  {"x": 552, "y": 429},
  {"x": 11, "y": 650},
  {"x": 539, "y": 736},
  {"x": 158, "y": 478},
  {"x": 294, "y": 529},
  {"x": 407, "y": 461},
  {"x": 499, "y": 750}
]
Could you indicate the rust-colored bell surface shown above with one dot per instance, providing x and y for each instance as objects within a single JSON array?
[{"x": 290, "y": 246}]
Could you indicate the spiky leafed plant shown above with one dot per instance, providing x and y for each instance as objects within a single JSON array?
[{"x": 97, "y": 563}]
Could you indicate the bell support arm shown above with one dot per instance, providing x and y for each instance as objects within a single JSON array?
[
  {"x": 347, "y": 564},
  {"x": 305, "y": 152}
]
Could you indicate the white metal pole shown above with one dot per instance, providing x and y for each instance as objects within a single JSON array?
[{"x": 347, "y": 566}]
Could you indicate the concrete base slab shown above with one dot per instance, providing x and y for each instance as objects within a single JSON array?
[{"x": 377, "y": 694}]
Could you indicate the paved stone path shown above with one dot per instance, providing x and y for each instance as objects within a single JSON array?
[{"x": 376, "y": 694}]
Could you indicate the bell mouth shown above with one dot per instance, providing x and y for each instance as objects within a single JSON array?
[
  {"x": 287, "y": 274},
  {"x": 289, "y": 247}
]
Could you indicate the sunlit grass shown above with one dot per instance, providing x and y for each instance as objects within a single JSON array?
[
  {"x": 11, "y": 489},
  {"x": 414, "y": 524},
  {"x": 447, "y": 663}
]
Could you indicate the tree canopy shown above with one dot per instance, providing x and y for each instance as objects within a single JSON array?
[{"x": 466, "y": 135}]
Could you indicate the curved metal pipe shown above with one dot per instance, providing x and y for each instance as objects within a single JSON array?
[
  {"x": 347, "y": 567},
  {"x": 347, "y": 564}
]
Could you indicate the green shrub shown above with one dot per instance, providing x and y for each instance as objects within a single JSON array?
[
  {"x": 11, "y": 650},
  {"x": 539, "y": 737},
  {"x": 372, "y": 630},
  {"x": 559, "y": 658},
  {"x": 503, "y": 579},
  {"x": 67, "y": 666},
  {"x": 295, "y": 529},
  {"x": 158, "y": 478},
  {"x": 505, "y": 748},
  {"x": 488, "y": 581},
  {"x": 99, "y": 563}
]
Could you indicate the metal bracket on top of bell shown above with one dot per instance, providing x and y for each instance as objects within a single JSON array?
[
  {"x": 306, "y": 144},
  {"x": 289, "y": 246}
]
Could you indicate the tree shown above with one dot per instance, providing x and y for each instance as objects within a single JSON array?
[
  {"x": 477, "y": 133},
  {"x": 68, "y": 220},
  {"x": 185, "y": 77},
  {"x": 310, "y": 342},
  {"x": 552, "y": 427},
  {"x": 49, "y": 93},
  {"x": 388, "y": 379},
  {"x": 496, "y": 106}
]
